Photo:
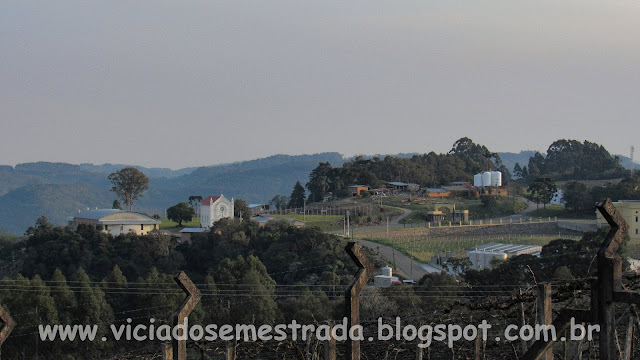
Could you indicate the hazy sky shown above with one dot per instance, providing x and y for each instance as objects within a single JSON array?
[{"x": 188, "y": 83}]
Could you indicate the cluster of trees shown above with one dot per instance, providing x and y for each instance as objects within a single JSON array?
[
  {"x": 238, "y": 266},
  {"x": 572, "y": 160},
  {"x": 541, "y": 190},
  {"x": 460, "y": 164},
  {"x": 579, "y": 196}
]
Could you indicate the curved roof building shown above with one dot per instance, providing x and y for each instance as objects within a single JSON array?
[{"x": 116, "y": 221}]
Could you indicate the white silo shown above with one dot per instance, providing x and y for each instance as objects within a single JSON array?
[
  {"x": 496, "y": 178},
  {"x": 486, "y": 178},
  {"x": 477, "y": 180},
  {"x": 387, "y": 271}
]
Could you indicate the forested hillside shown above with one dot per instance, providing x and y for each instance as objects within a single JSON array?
[{"x": 58, "y": 190}]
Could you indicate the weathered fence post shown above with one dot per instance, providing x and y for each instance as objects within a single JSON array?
[
  {"x": 167, "y": 352},
  {"x": 628, "y": 345},
  {"x": 606, "y": 290},
  {"x": 609, "y": 278},
  {"x": 352, "y": 296},
  {"x": 230, "y": 351},
  {"x": 330, "y": 345},
  {"x": 545, "y": 315},
  {"x": 190, "y": 302},
  {"x": 523, "y": 321},
  {"x": 6, "y": 328}
]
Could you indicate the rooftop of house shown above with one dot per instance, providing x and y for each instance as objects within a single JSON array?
[
  {"x": 437, "y": 190},
  {"x": 506, "y": 248},
  {"x": 400, "y": 183},
  {"x": 193, "y": 230},
  {"x": 460, "y": 182},
  {"x": 456, "y": 188},
  {"x": 115, "y": 216},
  {"x": 209, "y": 200}
]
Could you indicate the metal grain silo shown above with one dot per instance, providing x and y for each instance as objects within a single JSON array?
[
  {"x": 496, "y": 178},
  {"x": 486, "y": 178},
  {"x": 477, "y": 180}
]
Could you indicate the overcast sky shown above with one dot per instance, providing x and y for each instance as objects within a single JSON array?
[{"x": 190, "y": 83}]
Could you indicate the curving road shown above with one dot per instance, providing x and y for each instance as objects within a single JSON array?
[{"x": 404, "y": 265}]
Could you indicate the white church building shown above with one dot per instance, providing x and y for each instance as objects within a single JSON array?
[{"x": 214, "y": 208}]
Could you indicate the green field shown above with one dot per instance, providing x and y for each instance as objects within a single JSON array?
[
  {"x": 422, "y": 247},
  {"x": 170, "y": 225},
  {"x": 324, "y": 222},
  {"x": 477, "y": 210}
]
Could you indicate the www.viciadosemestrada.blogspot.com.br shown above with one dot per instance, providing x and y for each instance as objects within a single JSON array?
[{"x": 427, "y": 334}]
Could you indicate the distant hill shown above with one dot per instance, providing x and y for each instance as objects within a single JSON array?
[
  {"x": 21, "y": 207},
  {"x": 626, "y": 162},
  {"x": 59, "y": 190},
  {"x": 510, "y": 159},
  {"x": 150, "y": 172}
]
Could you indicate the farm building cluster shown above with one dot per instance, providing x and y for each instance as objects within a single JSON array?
[{"x": 486, "y": 183}]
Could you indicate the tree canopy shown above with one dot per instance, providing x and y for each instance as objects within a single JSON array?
[
  {"x": 460, "y": 164},
  {"x": 129, "y": 184},
  {"x": 573, "y": 160},
  {"x": 180, "y": 212},
  {"x": 542, "y": 190}
]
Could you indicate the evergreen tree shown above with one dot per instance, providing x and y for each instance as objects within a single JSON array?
[
  {"x": 63, "y": 297},
  {"x": 249, "y": 290},
  {"x": 318, "y": 184},
  {"x": 297, "y": 198},
  {"x": 31, "y": 304},
  {"x": 115, "y": 287},
  {"x": 92, "y": 309},
  {"x": 517, "y": 171}
]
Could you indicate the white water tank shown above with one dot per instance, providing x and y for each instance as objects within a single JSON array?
[
  {"x": 387, "y": 271},
  {"x": 477, "y": 180},
  {"x": 486, "y": 178},
  {"x": 496, "y": 179}
]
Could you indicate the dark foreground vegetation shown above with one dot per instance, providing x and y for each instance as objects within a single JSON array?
[{"x": 247, "y": 274}]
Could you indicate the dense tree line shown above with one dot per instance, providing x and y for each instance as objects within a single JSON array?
[
  {"x": 86, "y": 276},
  {"x": 572, "y": 160},
  {"x": 460, "y": 164}
]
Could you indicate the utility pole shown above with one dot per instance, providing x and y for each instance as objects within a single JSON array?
[
  {"x": 632, "y": 149},
  {"x": 344, "y": 225},
  {"x": 394, "y": 257},
  {"x": 411, "y": 257},
  {"x": 348, "y": 224},
  {"x": 304, "y": 210},
  {"x": 387, "y": 225}
]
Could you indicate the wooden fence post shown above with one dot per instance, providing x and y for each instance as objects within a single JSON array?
[
  {"x": 330, "y": 345},
  {"x": 352, "y": 296},
  {"x": 167, "y": 352},
  {"x": 190, "y": 302},
  {"x": 7, "y": 324},
  {"x": 545, "y": 315}
]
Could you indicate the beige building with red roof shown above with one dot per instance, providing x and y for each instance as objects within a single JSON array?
[{"x": 214, "y": 208}]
